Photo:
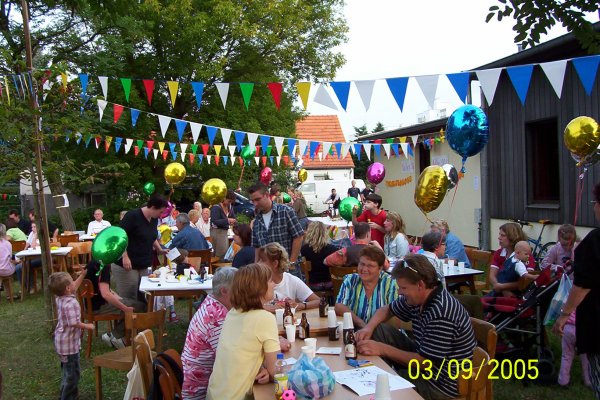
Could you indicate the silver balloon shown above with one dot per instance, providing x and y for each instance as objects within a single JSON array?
[{"x": 452, "y": 175}]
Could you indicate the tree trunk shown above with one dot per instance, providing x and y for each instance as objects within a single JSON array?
[{"x": 58, "y": 189}]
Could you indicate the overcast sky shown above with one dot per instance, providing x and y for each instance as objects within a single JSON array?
[{"x": 391, "y": 38}]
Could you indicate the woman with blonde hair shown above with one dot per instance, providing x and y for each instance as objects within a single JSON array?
[
  {"x": 315, "y": 249},
  {"x": 249, "y": 337},
  {"x": 299, "y": 207},
  {"x": 395, "y": 243},
  {"x": 287, "y": 286}
]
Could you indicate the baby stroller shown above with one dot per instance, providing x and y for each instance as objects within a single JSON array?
[{"x": 520, "y": 324}]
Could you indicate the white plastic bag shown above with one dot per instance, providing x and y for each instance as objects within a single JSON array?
[
  {"x": 558, "y": 301},
  {"x": 135, "y": 385},
  {"x": 229, "y": 253}
]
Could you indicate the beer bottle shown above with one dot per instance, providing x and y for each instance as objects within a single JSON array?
[
  {"x": 288, "y": 317},
  {"x": 323, "y": 307},
  {"x": 350, "y": 347},
  {"x": 304, "y": 328}
]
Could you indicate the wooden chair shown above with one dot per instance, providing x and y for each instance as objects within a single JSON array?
[
  {"x": 306, "y": 267},
  {"x": 487, "y": 338},
  {"x": 6, "y": 281},
  {"x": 198, "y": 257},
  {"x": 475, "y": 388},
  {"x": 65, "y": 239},
  {"x": 122, "y": 359},
  {"x": 18, "y": 245},
  {"x": 170, "y": 387},
  {"x": 144, "y": 343},
  {"x": 337, "y": 277},
  {"x": 85, "y": 293},
  {"x": 75, "y": 257},
  {"x": 85, "y": 251},
  {"x": 480, "y": 259}
]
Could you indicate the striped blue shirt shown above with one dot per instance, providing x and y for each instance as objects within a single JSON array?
[{"x": 352, "y": 294}]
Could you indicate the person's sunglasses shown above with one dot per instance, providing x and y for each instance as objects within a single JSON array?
[{"x": 404, "y": 264}]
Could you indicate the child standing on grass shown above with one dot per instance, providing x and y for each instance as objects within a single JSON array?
[
  {"x": 568, "y": 354},
  {"x": 67, "y": 335}
]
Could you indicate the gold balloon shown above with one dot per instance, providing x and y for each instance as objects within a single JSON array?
[
  {"x": 582, "y": 136},
  {"x": 302, "y": 175},
  {"x": 431, "y": 188},
  {"x": 174, "y": 173},
  {"x": 214, "y": 191}
]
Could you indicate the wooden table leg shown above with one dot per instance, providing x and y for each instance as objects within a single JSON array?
[
  {"x": 150, "y": 301},
  {"x": 25, "y": 266},
  {"x": 472, "y": 285}
]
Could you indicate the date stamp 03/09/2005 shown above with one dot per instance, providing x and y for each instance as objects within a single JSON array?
[{"x": 496, "y": 369}]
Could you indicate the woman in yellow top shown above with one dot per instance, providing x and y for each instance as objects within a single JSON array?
[{"x": 249, "y": 337}]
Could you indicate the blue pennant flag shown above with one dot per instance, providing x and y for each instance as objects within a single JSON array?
[
  {"x": 313, "y": 149},
  {"x": 83, "y": 78},
  {"x": 172, "y": 146},
  {"x": 198, "y": 91},
  {"x": 398, "y": 88},
  {"x": 31, "y": 90},
  {"x": 377, "y": 148},
  {"x": 180, "y": 125},
  {"x": 212, "y": 133},
  {"x": 146, "y": 151},
  {"x": 174, "y": 155},
  {"x": 118, "y": 142},
  {"x": 357, "y": 150},
  {"x": 271, "y": 158},
  {"x": 200, "y": 158},
  {"x": 16, "y": 86},
  {"x": 338, "y": 150},
  {"x": 87, "y": 141},
  {"x": 67, "y": 137},
  {"x": 395, "y": 148},
  {"x": 78, "y": 136},
  {"x": 410, "y": 151},
  {"x": 460, "y": 83},
  {"x": 264, "y": 143},
  {"x": 520, "y": 77},
  {"x": 134, "y": 116},
  {"x": 226, "y": 159},
  {"x": 292, "y": 146},
  {"x": 239, "y": 140},
  {"x": 341, "y": 89},
  {"x": 248, "y": 162},
  {"x": 586, "y": 68}
]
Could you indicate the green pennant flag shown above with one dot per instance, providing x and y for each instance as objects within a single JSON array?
[
  {"x": 389, "y": 140},
  {"x": 247, "y": 89},
  {"x": 331, "y": 151},
  {"x": 140, "y": 144},
  {"x": 194, "y": 148},
  {"x": 126, "y": 82},
  {"x": 269, "y": 148}
]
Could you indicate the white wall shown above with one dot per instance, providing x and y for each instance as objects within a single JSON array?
[
  {"x": 334, "y": 174},
  {"x": 460, "y": 215}
]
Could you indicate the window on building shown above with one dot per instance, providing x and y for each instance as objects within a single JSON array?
[
  {"x": 424, "y": 157},
  {"x": 542, "y": 145}
]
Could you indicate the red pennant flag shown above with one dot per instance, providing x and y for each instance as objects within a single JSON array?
[
  {"x": 263, "y": 159},
  {"x": 241, "y": 161},
  {"x": 378, "y": 141},
  {"x": 106, "y": 146},
  {"x": 257, "y": 150},
  {"x": 136, "y": 150},
  {"x": 149, "y": 86},
  {"x": 192, "y": 157},
  {"x": 285, "y": 159},
  {"x": 217, "y": 159},
  {"x": 275, "y": 88},
  {"x": 4, "y": 196},
  {"x": 98, "y": 140},
  {"x": 205, "y": 149},
  {"x": 117, "y": 111},
  {"x": 149, "y": 144},
  {"x": 165, "y": 154}
]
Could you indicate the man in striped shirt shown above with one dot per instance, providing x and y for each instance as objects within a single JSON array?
[{"x": 441, "y": 327}]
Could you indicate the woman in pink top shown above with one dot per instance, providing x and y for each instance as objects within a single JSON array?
[
  {"x": 7, "y": 264},
  {"x": 561, "y": 252}
]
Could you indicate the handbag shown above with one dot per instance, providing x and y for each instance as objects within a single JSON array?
[{"x": 559, "y": 300}]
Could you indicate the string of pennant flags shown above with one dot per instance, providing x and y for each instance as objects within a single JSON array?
[{"x": 520, "y": 76}]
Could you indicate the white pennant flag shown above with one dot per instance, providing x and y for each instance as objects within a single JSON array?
[
  {"x": 101, "y": 107},
  {"x": 345, "y": 148},
  {"x": 128, "y": 143},
  {"x": 225, "y": 134},
  {"x": 278, "y": 159},
  {"x": 104, "y": 84},
  {"x": 252, "y": 139},
  {"x": 555, "y": 72},
  {"x": 320, "y": 156},
  {"x": 278, "y": 145},
  {"x": 352, "y": 148},
  {"x": 182, "y": 156},
  {"x": 428, "y": 85},
  {"x": 415, "y": 138},
  {"x": 231, "y": 150},
  {"x": 302, "y": 145},
  {"x": 223, "y": 89},
  {"x": 322, "y": 97},
  {"x": 404, "y": 149},
  {"x": 208, "y": 158},
  {"x": 183, "y": 147},
  {"x": 256, "y": 160},
  {"x": 326, "y": 146},
  {"x": 164, "y": 122},
  {"x": 195, "y": 127},
  {"x": 386, "y": 149},
  {"x": 365, "y": 89},
  {"x": 232, "y": 159},
  {"x": 367, "y": 147},
  {"x": 488, "y": 78},
  {"x": 155, "y": 152}
]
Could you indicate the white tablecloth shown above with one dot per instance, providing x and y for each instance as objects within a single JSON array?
[
  {"x": 340, "y": 223},
  {"x": 146, "y": 285}
]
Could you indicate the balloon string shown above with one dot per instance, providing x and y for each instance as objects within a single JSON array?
[
  {"x": 100, "y": 269},
  {"x": 239, "y": 187},
  {"x": 579, "y": 194},
  {"x": 451, "y": 206}
]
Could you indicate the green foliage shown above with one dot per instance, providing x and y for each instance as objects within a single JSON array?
[{"x": 534, "y": 18}]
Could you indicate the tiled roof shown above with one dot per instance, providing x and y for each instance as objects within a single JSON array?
[{"x": 321, "y": 128}]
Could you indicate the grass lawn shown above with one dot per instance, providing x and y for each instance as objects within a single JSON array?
[{"x": 31, "y": 368}]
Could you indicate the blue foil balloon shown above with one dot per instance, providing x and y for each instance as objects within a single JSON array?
[{"x": 467, "y": 131}]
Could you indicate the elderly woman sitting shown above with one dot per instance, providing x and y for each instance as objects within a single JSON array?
[
  {"x": 287, "y": 286},
  {"x": 371, "y": 288}
]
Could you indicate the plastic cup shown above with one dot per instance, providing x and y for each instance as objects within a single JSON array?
[
  {"x": 309, "y": 351},
  {"x": 382, "y": 387},
  {"x": 186, "y": 272},
  {"x": 461, "y": 266},
  {"x": 312, "y": 342},
  {"x": 348, "y": 324},
  {"x": 279, "y": 316},
  {"x": 450, "y": 264},
  {"x": 331, "y": 319},
  {"x": 290, "y": 333}
]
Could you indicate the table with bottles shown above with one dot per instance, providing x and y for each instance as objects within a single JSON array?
[
  {"x": 336, "y": 363},
  {"x": 318, "y": 325},
  {"x": 173, "y": 287}
]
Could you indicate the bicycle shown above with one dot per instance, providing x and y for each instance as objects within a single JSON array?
[{"x": 539, "y": 250}]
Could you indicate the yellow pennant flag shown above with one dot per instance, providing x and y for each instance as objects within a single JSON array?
[
  {"x": 402, "y": 139},
  {"x": 217, "y": 149},
  {"x": 7, "y": 92},
  {"x": 63, "y": 77},
  {"x": 161, "y": 146},
  {"x": 173, "y": 89},
  {"x": 303, "y": 91}
]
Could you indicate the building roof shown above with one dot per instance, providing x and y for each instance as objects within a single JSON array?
[
  {"x": 319, "y": 128},
  {"x": 429, "y": 127}
]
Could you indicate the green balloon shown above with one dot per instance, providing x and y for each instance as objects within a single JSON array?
[
  {"x": 248, "y": 152},
  {"x": 149, "y": 188},
  {"x": 286, "y": 198},
  {"x": 109, "y": 245},
  {"x": 346, "y": 207}
]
